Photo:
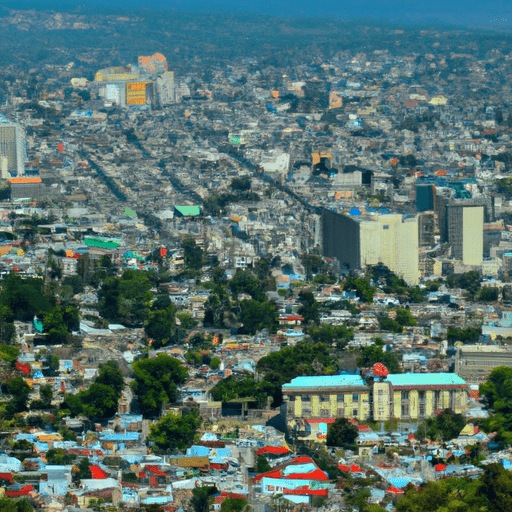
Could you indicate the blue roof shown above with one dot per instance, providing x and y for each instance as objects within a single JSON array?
[
  {"x": 325, "y": 381},
  {"x": 426, "y": 379}
]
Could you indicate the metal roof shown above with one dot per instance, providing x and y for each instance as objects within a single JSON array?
[
  {"x": 325, "y": 381},
  {"x": 426, "y": 379}
]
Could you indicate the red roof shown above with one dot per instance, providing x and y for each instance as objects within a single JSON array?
[
  {"x": 6, "y": 476},
  {"x": 303, "y": 460},
  {"x": 440, "y": 467},
  {"x": 394, "y": 490},
  {"x": 24, "y": 491},
  {"x": 97, "y": 473},
  {"x": 276, "y": 450},
  {"x": 317, "y": 474},
  {"x": 275, "y": 473},
  {"x": 155, "y": 470},
  {"x": 379, "y": 370},
  {"x": 351, "y": 469},
  {"x": 325, "y": 420},
  {"x": 305, "y": 491}
]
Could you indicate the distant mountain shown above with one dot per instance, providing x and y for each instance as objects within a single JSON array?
[{"x": 491, "y": 14}]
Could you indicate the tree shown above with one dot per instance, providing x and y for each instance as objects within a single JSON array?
[
  {"x": 262, "y": 465},
  {"x": 313, "y": 264},
  {"x": 341, "y": 433},
  {"x": 233, "y": 505},
  {"x": 329, "y": 334},
  {"x": 84, "y": 470},
  {"x": 156, "y": 381},
  {"x": 244, "y": 281},
  {"x": 309, "y": 308},
  {"x": 161, "y": 325},
  {"x": 193, "y": 254},
  {"x": 111, "y": 375},
  {"x": 200, "y": 501},
  {"x": 256, "y": 316},
  {"x": 15, "y": 505},
  {"x": 443, "y": 427},
  {"x": 20, "y": 390},
  {"x": 240, "y": 184},
  {"x": 368, "y": 356},
  {"x": 362, "y": 287},
  {"x": 175, "y": 433},
  {"x": 98, "y": 401}
]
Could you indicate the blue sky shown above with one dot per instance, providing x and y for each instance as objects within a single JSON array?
[{"x": 489, "y": 13}]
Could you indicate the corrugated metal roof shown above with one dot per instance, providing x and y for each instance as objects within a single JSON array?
[
  {"x": 425, "y": 379},
  {"x": 325, "y": 381},
  {"x": 25, "y": 180},
  {"x": 187, "y": 210}
]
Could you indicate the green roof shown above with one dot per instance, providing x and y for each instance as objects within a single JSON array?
[
  {"x": 101, "y": 243},
  {"x": 188, "y": 211},
  {"x": 128, "y": 212}
]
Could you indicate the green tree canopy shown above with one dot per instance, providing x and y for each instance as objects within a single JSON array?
[
  {"x": 156, "y": 381},
  {"x": 161, "y": 325},
  {"x": 309, "y": 308},
  {"x": 329, "y": 334},
  {"x": 368, "y": 356},
  {"x": 111, "y": 375},
  {"x": 341, "y": 433},
  {"x": 175, "y": 433},
  {"x": 193, "y": 254},
  {"x": 492, "y": 492},
  {"x": 443, "y": 427},
  {"x": 256, "y": 316}
]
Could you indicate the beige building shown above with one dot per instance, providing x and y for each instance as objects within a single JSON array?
[
  {"x": 358, "y": 241},
  {"x": 474, "y": 363},
  {"x": 408, "y": 396}
]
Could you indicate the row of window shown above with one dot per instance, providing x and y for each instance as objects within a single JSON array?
[{"x": 327, "y": 398}]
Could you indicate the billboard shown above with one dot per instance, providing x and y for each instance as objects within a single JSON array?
[{"x": 138, "y": 93}]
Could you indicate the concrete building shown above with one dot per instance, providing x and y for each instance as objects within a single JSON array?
[
  {"x": 461, "y": 224},
  {"x": 407, "y": 396},
  {"x": 466, "y": 233},
  {"x": 13, "y": 150},
  {"x": 474, "y": 363},
  {"x": 357, "y": 241}
]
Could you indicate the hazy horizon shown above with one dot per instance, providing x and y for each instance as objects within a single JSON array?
[{"x": 492, "y": 14}]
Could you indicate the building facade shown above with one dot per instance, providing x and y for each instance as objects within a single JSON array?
[
  {"x": 13, "y": 151},
  {"x": 475, "y": 363},
  {"x": 357, "y": 241},
  {"x": 409, "y": 396}
]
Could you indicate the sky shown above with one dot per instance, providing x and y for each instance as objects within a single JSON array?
[{"x": 487, "y": 13}]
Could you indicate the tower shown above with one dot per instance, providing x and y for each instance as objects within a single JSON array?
[{"x": 13, "y": 149}]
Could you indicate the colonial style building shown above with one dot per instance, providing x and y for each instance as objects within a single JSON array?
[{"x": 408, "y": 396}]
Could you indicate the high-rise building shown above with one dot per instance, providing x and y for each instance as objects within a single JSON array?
[
  {"x": 357, "y": 241},
  {"x": 13, "y": 150},
  {"x": 461, "y": 224},
  {"x": 466, "y": 233}
]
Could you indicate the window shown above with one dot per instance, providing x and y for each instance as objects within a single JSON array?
[
  {"x": 306, "y": 398},
  {"x": 405, "y": 395},
  {"x": 339, "y": 398},
  {"x": 291, "y": 398},
  {"x": 381, "y": 411},
  {"x": 340, "y": 413},
  {"x": 324, "y": 398},
  {"x": 386, "y": 226},
  {"x": 380, "y": 392},
  {"x": 421, "y": 411},
  {"x": 355, "y": 398},
  {"x": 306, "y": 412},
  {"x": 325, "y": 413},
  {"x": 355, "y": 412},
  {"x": 421, "y": 395},
  {"x": 405, "y": 410}
]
